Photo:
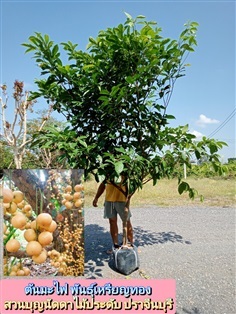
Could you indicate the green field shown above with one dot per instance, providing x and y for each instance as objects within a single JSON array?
[{"x": 216, "y": 192}]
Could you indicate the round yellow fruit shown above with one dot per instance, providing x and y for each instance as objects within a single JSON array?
[
  {"x": 78, "y": 187},
  {"x": 44, "y": 220},
  {"x": 27, "y": 208},
  {"x": 19, "y": 221},
  {"x": 12, "y": 245},
  {"x": 45, "y": 238},
  {"x": 18, "y": 196},
  {"x": 21, "y": 204},
  {"x": 13, "y": 208},
  {"x": 76, "y": 195},
  {"x": 30, "y": 235},
  {"x": 41, "y": 258},
  {"x": 28, "y": 225},
  {"x": 52, "y": 226},
  {"x": 33, "y": 224},
  {"x": 20, "y": 272},
  {"x": 29, "y": 214},
  {"x": 7, "y": 195},
  {"x": 26, "y": 271},
  {"x": 68, "y": 188},
  {"x": 6, "y": 205},
  {"x": 68, "y": 196},
  {"x": 68, "y": 205},
  {"x": 15, "y": 267},
  {"x": 78, "y": 203},
  {"x": 33, "y": 248}
]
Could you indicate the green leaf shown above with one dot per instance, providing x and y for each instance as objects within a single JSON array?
[
  {"x": 183, "y": 33},
  {"x": 128, "y": 15},
  {"x": 213, "y": 148},
  {"x": 55, "y": 50},
  {"x": 183, "y": 187},
  {"x": 169, "y": 117},
  {"x": 186, "y": 47},
  {"x": 129, "y": 79},
  {"x": 141, "y": 17},
  {"x": 195, "y": 24},
  {"x": 119, "y": 166},
  {"x": 103, "y": 98},
  {"x": 197, "y": 153},
  {"x": 30, "y": 47},
  {"x": 88, "y": 66},
  {"x": 185, "y": 128},
  {"x": 152, "y": 23},
  {"x": 46, "y": 38},
  {"x": 192, "y": 193},
  {"x": 104, "y": 92},
  {"x": 34, "y": 40},
  {"x": 92, "y": 40}
]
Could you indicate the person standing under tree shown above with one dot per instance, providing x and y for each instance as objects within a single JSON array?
[{"x": 115, "y": 202}]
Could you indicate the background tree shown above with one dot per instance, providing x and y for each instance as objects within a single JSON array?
[
  {"x": 15, "y": 138},
  {"x": 115, "y": 97},
  {"x": 14, "y": 134},
  {"x": 7, "y": 156},
  {"x": 42, "y": 157}
]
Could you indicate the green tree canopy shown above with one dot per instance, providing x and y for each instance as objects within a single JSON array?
[
  {"x": 7, "y": 156},
  {"x": 115, "y": 97}
]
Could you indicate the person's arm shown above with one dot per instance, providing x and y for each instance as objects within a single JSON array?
[{"x": 100, "y": 190}]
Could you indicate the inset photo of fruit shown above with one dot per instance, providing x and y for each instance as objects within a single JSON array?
[{"x": 43, "y": 222}]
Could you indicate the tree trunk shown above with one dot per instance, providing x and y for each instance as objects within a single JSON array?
[{"x": 17, "y": 158}]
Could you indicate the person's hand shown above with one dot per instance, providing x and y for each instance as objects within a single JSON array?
[{"x": 95, "y": 202}]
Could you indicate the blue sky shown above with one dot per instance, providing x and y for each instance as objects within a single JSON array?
[{"x": 204, "y": 98}]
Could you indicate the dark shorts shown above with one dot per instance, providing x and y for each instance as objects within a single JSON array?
[{"x": 111, "y": 209}]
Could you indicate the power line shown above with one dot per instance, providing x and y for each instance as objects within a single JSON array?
[{"x": 223, "y": 123}]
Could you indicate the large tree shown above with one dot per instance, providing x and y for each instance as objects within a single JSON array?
[{"x": 115, "y": 97}]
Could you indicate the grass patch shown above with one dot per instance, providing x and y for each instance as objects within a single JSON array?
[{"x": 216, "y": 192}]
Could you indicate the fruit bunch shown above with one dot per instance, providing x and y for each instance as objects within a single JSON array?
[
  {"x": 13, "y": 202},
  {"x": 38, "y": 236},
  {"x": 73, "y": 198},
  {"x": 69, "y": 259},
  {"x": 38, "y": 233},
  {"x": 15, "y": 270},
  {"x": 17, "y": 211},
  {"x": 70, "y": 262},
  {"x": 58, "y": 260}
]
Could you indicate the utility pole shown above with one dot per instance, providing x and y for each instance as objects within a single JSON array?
[{"x": 185, "y": 171}]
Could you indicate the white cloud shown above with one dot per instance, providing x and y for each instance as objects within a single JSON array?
[
  {"x": 203, "y": 120},
  {"x": 198, "y": 135}
]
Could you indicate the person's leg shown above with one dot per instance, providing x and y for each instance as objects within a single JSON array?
[
  {"x": 120, "y": 208},
  {"x": 130, "y": 232},
  {"x": 114, "y": 231},
  {"x": 111, "y": 214}
]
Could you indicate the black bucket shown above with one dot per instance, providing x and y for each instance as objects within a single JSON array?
[{"x": 126, "y": 259}]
